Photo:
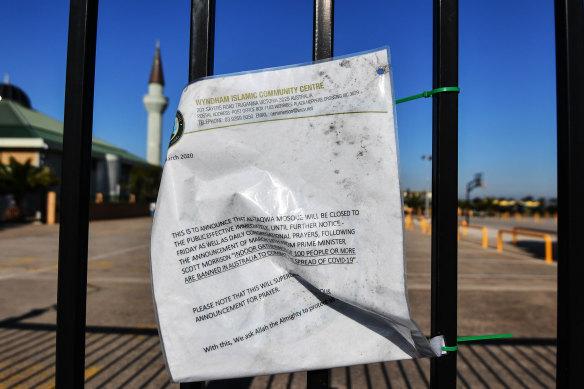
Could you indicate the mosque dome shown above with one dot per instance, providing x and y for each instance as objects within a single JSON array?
[{"x": 14, "y": 93}]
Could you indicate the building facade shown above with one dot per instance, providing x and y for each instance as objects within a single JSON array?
[{"x": 26, "y": 134}]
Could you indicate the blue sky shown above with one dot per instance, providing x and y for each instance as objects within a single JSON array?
[{"x": 507, "y": 119}]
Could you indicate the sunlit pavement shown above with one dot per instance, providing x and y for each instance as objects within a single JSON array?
[{"x": 513, "y": 291}]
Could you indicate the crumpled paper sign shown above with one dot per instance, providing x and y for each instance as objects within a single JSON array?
[{"x": 278, "y": 236}]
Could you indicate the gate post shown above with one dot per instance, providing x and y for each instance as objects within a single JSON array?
[
  {"x": 201, "y": 58},
  {"x": 74, "y": 223},
  {"x": 322, "y": 48},
  {"x": 569, "y": 15},
  {"x": 444, "y": 190},
  {"x": 323, "y": 29},
  {"x": 201, "y": 51}
]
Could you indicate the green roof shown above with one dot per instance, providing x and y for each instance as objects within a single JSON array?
[{"x": 17, "y": 121}]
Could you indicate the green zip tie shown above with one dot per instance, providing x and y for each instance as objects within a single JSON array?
[
  {"x": 429, "y": 93},
  {"x": 483, "y": 337},
  {"x": 480, "y": 337}
]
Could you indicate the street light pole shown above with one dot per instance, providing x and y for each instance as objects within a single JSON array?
[
  {"x": 474, "y": 183},
  {"x": 428, "y": 158}
]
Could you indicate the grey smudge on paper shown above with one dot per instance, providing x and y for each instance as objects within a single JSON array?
[{"x": 345, "y": 63}]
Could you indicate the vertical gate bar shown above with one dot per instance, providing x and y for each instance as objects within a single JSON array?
[
  {"x": 323, "y": 29},
  {"x": 569, "y": 18},
  {"x": 201, "y": 57},
  {"x": 444, "y": 190},
  {"x": 322, "y": 48},
  {"x": 201, "y": 53},
  {"x": 318, "y": 379},
  {"x": 75, "y": 178}
]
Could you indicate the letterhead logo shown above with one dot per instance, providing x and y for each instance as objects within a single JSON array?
[{"x": 177, "y": 130}]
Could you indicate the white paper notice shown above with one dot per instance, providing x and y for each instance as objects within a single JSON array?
[{"x": 278, "y": 240}]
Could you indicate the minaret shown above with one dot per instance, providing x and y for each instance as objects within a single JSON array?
[{"x": 155, "y": 103}]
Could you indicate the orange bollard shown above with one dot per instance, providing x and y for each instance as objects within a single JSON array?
[
  {"x": 51, "y": 208},
  {"x": 409, "y": 224},
  {"x": 546, "y": 237},
  {"x": 465, "y": 227},
  {"x": 548, "y": 249},
  {"x": 423, "y": 224}
]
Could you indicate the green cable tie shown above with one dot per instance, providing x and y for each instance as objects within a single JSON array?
[
  {"x": 429, "y": 93},
  {"x": 480, "y": 337},
  {"x": 483, "y": 337}
]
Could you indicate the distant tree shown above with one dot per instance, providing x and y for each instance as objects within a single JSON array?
[
  {"x": 414, "y": 200},
  {"x": 491, "y": 206},
  {"x": 487, "y": 205},
  {"x": 478, "y": 204},
  {"x": 553, "y": 205},
  {"x": 144, "y": 182},
  {"x": 542, "y": 205},
  {"x": 19, "y": 179}
]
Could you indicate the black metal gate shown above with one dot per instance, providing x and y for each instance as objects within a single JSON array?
[{"x": 73, "y": 238}]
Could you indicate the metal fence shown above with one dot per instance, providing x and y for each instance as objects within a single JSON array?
[{"x": 73, "y": 241}]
